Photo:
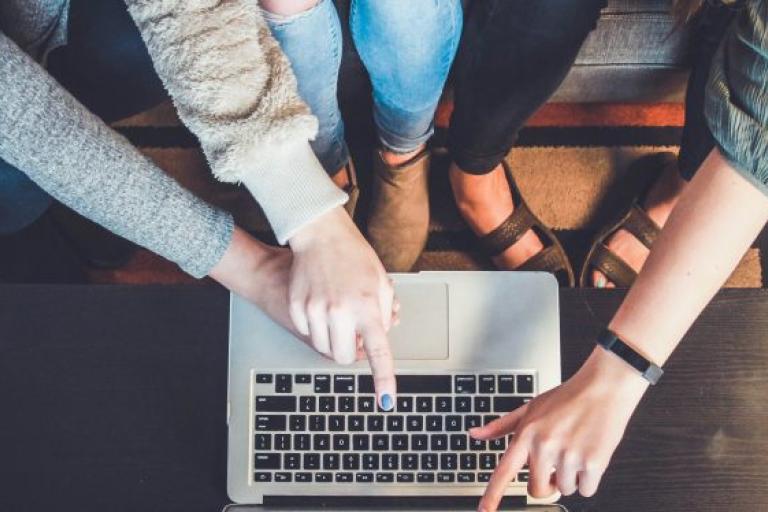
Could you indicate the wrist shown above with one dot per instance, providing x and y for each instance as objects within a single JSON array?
[
  {"x": 243, "y": 256},
  {"x": 324, "y": 228},
  {"x": 613, "y": 372}
]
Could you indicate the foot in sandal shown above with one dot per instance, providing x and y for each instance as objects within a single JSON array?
[
  {"x": 508, "y": 231},
  {"x": 657, "y": 204}
]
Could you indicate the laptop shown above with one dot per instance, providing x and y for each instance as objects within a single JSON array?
[{"x": 305, "y": 432}]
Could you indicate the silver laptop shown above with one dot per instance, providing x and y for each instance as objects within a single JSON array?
[{"x": 304, "y": 431}]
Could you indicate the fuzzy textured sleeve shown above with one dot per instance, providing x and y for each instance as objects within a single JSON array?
[{"x": 234, "y": 88}]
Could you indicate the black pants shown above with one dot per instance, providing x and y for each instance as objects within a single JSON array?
[{"x": 513, "y": 56}]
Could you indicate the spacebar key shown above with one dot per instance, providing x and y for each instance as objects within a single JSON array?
[{"x": 424, "y": 384}]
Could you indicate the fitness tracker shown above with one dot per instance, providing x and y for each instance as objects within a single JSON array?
[{"x": 612, "y": 343}]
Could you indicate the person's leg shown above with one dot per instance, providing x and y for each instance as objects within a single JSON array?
[
  {"x": 309, "y": 33},
  {"x": 408, "y": 48},
  {"x": 514, "y": 55},
  {"x": 708, "y": 28}
]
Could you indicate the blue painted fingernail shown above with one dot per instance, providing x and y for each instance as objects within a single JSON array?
[
  {"x": 386, "y": 402},
  {"x": 600, "y": 282}
]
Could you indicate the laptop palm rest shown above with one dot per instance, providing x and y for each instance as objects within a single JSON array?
[{"x": 423, "y": 330}]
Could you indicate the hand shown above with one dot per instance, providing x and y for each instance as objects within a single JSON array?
[
  {"x": 568, "y": 434},
  {"x": 339, "y": 289}
]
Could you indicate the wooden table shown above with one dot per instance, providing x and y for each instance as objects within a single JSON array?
[{"x": 112, "y": 398}]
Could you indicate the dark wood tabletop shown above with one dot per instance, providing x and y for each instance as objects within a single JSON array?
[{"x": 112, "y": 398}]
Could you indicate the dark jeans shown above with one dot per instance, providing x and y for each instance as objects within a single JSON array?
[
  {"x": 106, "y": 67},
  {"x": 513, "y": 56}
]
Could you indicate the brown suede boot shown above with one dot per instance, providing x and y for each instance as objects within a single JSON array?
[{"x": 399, "y": 218}]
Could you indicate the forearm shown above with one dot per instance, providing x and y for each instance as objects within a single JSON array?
[{"x": 712, "y": 226}]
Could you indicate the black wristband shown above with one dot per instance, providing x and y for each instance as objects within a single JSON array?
[{"x": 610, "y": 342}]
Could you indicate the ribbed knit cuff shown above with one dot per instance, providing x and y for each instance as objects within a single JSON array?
[{"x": 292, "y": 188}]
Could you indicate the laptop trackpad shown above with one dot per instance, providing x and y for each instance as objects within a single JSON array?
[{"x": 423, "y": 329}]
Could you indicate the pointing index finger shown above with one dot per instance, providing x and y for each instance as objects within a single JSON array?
[{"x": 382, "y": 364}]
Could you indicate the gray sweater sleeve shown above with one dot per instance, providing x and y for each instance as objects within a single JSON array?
[
  {"x": 234, "y": 88},
  {"x": 79, "y": 160}
]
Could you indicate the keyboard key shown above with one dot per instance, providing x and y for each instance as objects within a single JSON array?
[
  {"x": 468, "y": 461},
  {"x": 443, "y": 404},
  {"x": 321, "y": 442},
  {"x": 351, "y": 461},
  {"x": 341, "y": 442},
  {"x": 462, "y": 404},
  {"x": 307, "y": 403},
  {"x": 445, "y": 478},
  {"x": 458, "y": 442},
  {"x": 411, "y": 384},
  {"x": 425, "y": 477},
  {"x": 375, "y": 423},
  {"x": 498, "y": 444},
  {"x": 303, "y": 477},
  {"x": 464, "y": 384},
  {"x": 522, "y": 477},
  {"x": 389, "y": 461},
  {"x": 448, "y": 461},
  {"x": 283, "y": 383},
  {"x": 356, "y": 423},
  {"x": 322, "y": 383},
  {"x": 371, "y": 461},
  {"x": 399, "y": 442},
  {"x": 276, "y": 403},
  {"x": 365, "y": 404},
  {"x": 326, "y": 404},
  {"x": 270, "y": 422},
  {"x": 525, "y": 384},
  {"x": 410, "y": 461},
  {"x": 404, "y": 404},
  {"x": 487, "y": 384},
  {"x": 344, "y": 477},
  {"x": 311, "y": 461},
  {"x": 323, "y": 477},
  {"x": 344, "y": 384},
  {"x": 414, "y": 423},
  {"x": 302, "y": 378},
  {"x": 283, "y": 442},
  {"x": 476, "y": 445},
  {"x": 331, "y": 461},
  {"x": 264, "y": 378},
  {"x": 434, "y": 423},
  {"x": 506, "y": 403},
  {"x": 361, "y": 442},
  {"x": 301, "y": 442},
  {"x": 439, "y": 442},
  {"x": 423, "y": 404},
  {"x": 261, "y": 476},
  {"x": 262, "y": 442},
  {"x": 405, "y": 478},
  {"x": 472, "y": 421},
  {"x": 507, "y": 384},
  {"x": 484, "y": 477},
  {"x": 488, "y": 461},
  {"x": 465, "y": 478},
  {"x": 380, "y": 442},
  {"x": 297, "y": 423},
  {"x": 317, "y": 423},
  {"x": 453, "y": 423},
  {"x": 419, "y": 443},
  {"x": 283, "y": 477},
  {"x": 346, "y": 404},
  {"x": 489, "y": 418},
  {"x": 336, "y": 423},
  {"x": 292, "y": 461},
  {"x": 266, "y": 461},
  {"x": 482, "y": 404},
  {"x": 395, "y": 423},
  {"x": 385, "y": 478},
  {"x": 364, "y": 478}
]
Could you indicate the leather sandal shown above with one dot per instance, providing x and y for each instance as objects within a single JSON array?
[
  {"x": 636, "y": 221},
  {"x": 352, "y": 190},
  {"x": 551, "y": 259}
]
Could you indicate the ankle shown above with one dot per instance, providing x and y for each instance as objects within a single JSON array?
[{"x": 394, "y": 159}]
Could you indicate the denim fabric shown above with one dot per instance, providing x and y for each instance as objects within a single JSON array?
[
  {"x": 407, "y": 48},
  {"x": 514, "y": 54},
  {"x": 105, "y": 65}
]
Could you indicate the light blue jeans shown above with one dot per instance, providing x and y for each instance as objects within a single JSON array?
[{"x": 407, "y": 47}]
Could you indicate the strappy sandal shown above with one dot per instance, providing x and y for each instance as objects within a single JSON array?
[
  {"x": 550, "y": 259},
  {"x": 352, "y": 190},
  {"x": 637, "y": 222}
]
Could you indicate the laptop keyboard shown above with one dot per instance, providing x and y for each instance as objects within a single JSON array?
[{"x": 327, "y": 427}]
